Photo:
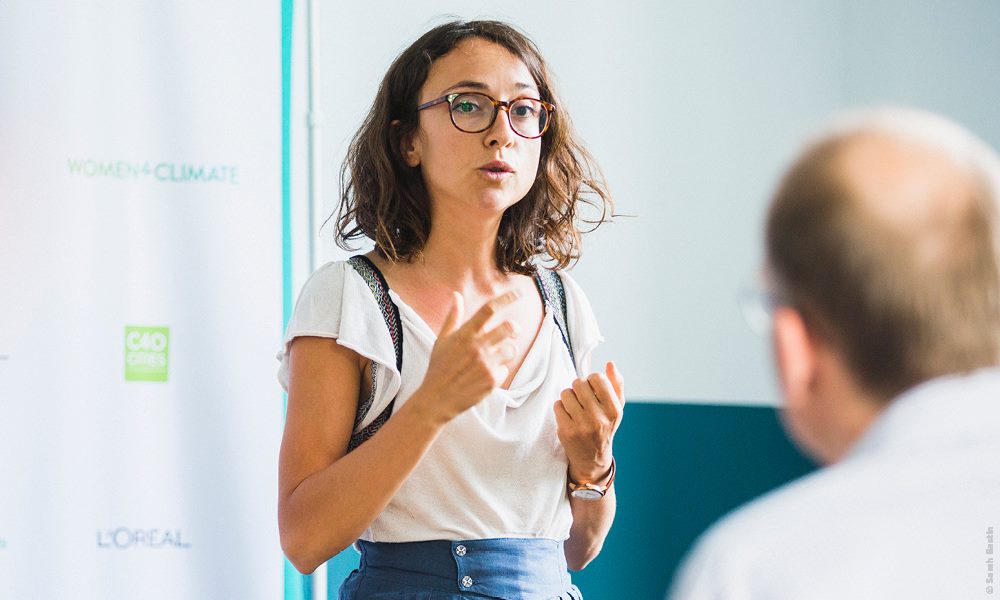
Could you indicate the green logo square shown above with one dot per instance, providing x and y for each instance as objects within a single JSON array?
[{"x": 146, "y": 351}]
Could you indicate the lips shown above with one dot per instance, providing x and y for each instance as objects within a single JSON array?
[{"x": 497, "y": 166}]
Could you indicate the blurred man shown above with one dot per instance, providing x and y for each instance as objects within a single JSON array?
[{"x": 883, "y": 277}]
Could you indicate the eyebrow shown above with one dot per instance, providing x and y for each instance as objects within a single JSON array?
[{"x": 478, "y": 85}]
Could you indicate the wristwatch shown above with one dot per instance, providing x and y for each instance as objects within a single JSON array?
[{"x": 592, "y": 491}]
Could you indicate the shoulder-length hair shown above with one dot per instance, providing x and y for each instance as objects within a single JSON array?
[{"x": 384, "y": 199}]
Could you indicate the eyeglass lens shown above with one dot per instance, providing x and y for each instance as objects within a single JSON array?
[{"x": 473, "y": 113}]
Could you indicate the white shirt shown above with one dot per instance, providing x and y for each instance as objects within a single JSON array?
[
  {"x": 907, "y": 514},
  {"x": 496, "y": 470}
]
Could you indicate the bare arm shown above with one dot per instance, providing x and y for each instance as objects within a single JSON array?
[
  {"x": 591, "y": 523},
  {"x": 587, "y": 417},
  {"x": 327, "y": 497},
  {"x": 322, "y": 503}
]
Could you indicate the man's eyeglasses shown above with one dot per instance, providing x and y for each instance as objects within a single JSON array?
[
  {"x": 757, "y": 306},
  {"x": 759, "y": 301},
  {"x": 473, "y": 112}
]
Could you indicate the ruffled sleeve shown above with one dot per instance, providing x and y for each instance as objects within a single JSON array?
[
  {"x": 335, "y": 302},
  {"x": 584, "y": 333}
]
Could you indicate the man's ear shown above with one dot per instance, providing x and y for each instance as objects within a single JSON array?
[
  {"x": 795, "y": 353},
  {"x": 408, "y": 148}
]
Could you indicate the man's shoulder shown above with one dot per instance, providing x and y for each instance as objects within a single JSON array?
[
  {"x": 786, "y": 504},
  {"x": 759, "y": 544},
  {"x": 867, "y": 515}
]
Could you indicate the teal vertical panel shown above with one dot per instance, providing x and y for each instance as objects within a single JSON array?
[
  {"x": 286, "y": 157},
  {"x": 297, "y": 586},
  {"x": 338, "y": 568},
  {"x": 680, "y": 467}
]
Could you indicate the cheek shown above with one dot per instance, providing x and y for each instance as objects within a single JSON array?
[
  {"x": 438, "y": 160},
  {"x": 532, "y": 164}
]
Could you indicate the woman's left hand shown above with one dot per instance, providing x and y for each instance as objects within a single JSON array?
[{"x": 587, "y": 416}]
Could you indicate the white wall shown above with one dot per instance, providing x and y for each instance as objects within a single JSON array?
[{"x": 692, "y": 108}]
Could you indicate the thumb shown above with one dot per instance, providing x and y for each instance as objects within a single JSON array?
[
  {"x": 454, "y": 315},
  {"x": 617, "y": 381}
]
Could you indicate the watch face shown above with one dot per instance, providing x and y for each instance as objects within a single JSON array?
[{"x": 585, "y": 494}]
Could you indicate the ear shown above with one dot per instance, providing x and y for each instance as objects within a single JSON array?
[
  {"x": 409, "y": 148},
  {"x": 795, "y": 353}
]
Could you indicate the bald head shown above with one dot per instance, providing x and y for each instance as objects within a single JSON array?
[
  {"x": 883, "y": 235},
  {"x": 905, "y": 185}
]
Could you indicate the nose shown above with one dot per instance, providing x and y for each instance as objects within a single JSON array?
[{"x": 500, "y": 133}]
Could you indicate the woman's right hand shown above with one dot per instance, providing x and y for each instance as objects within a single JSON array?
[{"x": 468, "y": 360}]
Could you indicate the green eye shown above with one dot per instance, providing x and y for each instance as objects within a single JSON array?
[{"x": 466, "y": 105}]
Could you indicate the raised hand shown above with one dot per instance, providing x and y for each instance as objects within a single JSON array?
[
  {"x": 587, "y": 416},
  {"x": 470, "y": 359}
]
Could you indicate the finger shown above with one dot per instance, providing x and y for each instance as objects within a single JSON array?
[
  {"x": 563, "y": 418},
  {"x": 500, "y": 374},
  {"x": 603, "y": 388},
  {"x": 454, "y": 315},
  {"x": 502, "y": 332},
  {"x": 616, "y": 380},
  {"x": 572, "y": 404},
  {"x": 478, "y": 320},
  {"x": 605, "y": 393},
  {"x": 504, "y": 352},
  {"x": 585, "y": 395}
]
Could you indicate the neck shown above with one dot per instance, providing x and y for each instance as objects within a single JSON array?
[
  {"x": 856, "y": 416},
  {"x": 848, "y": 409},
  {"x": 461, "y": 251}
]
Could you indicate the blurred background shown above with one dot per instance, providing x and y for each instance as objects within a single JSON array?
[{"x": 165, "y": 170}]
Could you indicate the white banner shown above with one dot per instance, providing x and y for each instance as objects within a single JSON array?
[{"x": 140, "y": 287}]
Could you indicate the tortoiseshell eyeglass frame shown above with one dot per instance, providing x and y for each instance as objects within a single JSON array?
[{"x": 497, "y": 106}]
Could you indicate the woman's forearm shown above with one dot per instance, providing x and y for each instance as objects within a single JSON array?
[
  {"x": 591, "y": 523},
  {"x": 331, "y": 508}
]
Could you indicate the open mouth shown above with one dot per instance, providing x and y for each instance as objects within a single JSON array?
[{"x": 497, "y": 167}]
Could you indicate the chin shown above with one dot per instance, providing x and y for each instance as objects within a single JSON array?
[{"x": 497, "y": 204}]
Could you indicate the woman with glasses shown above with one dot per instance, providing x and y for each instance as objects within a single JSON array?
[{"x": 441, "y": 413}]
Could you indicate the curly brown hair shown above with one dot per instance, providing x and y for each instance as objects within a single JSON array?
[{"x": 384, "y": 199}]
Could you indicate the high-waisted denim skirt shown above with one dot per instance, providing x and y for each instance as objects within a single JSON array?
[{"x": 507, "y": 568}]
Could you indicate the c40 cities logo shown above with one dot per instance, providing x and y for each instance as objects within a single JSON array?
[{"x": 146, "y": 353}]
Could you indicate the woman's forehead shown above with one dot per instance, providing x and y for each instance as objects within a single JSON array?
[{"x": 481, "y": 61}]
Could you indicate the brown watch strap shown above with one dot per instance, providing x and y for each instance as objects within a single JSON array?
[{"x": 573, "y": 485}]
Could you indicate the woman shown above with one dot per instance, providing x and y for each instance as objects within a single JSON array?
[{"x": 464, "y": 174}]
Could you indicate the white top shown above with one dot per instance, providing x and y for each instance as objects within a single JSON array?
[
  {"x": 496, "y": 470},
  {"x": 911, "y": 512}
]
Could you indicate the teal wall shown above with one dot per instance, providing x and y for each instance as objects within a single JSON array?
[{"x": 680, "y": 467}]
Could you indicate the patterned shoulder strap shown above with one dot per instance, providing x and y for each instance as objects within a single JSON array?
[
  {"x": 390, "y": 312},
  {"x": 554, "y": 295}
]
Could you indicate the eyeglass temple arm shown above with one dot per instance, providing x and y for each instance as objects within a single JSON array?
[{"x": 434, "y": 102}]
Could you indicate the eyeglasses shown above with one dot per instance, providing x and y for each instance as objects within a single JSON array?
[
  {"x": 472, "y": 112},
  {"x": 757, "y": 306},
  {"x": 759, "y": 301}
]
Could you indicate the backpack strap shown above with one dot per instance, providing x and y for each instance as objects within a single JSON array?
[
  {"x": 550, "y": 285},
  {"x": 390, "y": 312}
]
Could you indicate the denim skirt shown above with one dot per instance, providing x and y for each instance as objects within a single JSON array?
[{"x": 506, "y": 568}]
